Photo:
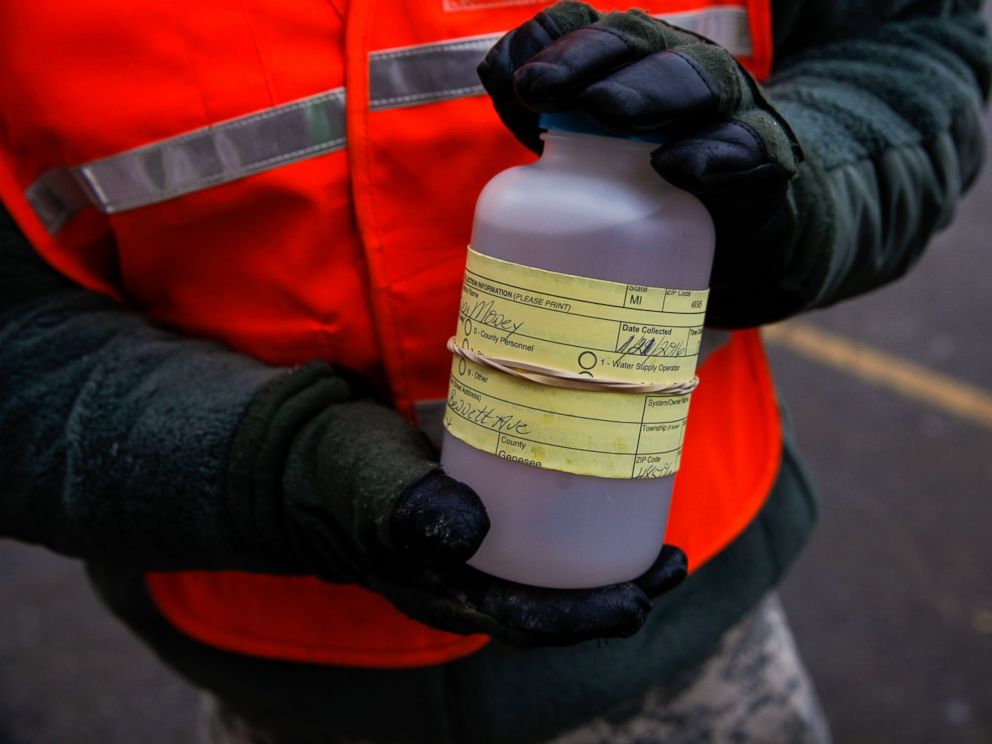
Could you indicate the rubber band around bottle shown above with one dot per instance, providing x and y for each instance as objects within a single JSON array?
[{"x": 557, "y": 378}]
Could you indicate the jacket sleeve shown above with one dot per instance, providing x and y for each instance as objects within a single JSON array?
[
  {"x": 114, "y": 433},
  {"x": 886, "y": 99}
]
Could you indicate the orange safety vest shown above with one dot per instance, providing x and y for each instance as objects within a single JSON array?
[{"x": 297, "y": 180}]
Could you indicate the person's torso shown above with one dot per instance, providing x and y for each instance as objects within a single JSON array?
[{"x": 297, "y": 181}]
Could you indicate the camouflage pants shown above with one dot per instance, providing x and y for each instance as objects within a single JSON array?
[{"x": 754, "y": 690}]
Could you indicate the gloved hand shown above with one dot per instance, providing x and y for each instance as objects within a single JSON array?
[
  {"x": 357, "y": 496},
  {"x": 634, "y": 74}
]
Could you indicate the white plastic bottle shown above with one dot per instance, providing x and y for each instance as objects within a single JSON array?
[{"x": 591, "y": 206}]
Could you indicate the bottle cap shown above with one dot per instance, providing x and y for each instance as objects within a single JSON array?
[{"x": 580, "y": 122}]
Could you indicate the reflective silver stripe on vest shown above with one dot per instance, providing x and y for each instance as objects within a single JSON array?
[
  {"x": 312, "y": 126},
  {"x": 56, "y": 196},
  {"x": 423, "y": 74},
  {"x": 193, "y": 161}
]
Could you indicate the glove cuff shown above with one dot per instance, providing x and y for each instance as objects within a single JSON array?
[{"x": 782, "y": 268}]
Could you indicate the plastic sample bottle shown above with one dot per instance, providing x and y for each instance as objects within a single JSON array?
[{"x": 591, "y": 206}]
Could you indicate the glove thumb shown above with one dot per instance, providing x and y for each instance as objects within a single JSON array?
[{"x": 439, "y": 519}]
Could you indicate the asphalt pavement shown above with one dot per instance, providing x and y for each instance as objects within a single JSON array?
[{"x": 891, "y": 603}]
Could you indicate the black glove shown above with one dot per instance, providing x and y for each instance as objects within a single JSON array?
[
  {"x": 352, "y": 493},
  {"x": 634, "y": 74}
]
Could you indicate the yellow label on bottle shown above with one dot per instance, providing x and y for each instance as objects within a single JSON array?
[{"x": 590, "y": 327}]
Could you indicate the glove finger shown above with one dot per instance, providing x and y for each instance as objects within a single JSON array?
[
  {"x": 518, "y": 46},
  {"x": 667, "y": 572},
  {"x": 669, "y": 86},
  {"x": 464, "y": 600},
  {"x": 731, "y": 158},
  {"x": 515, "y": 49},
  {"x": 526, "y": 615},
  {"x": 439, "y": 519},
  {"x": 553, "y": 79}
]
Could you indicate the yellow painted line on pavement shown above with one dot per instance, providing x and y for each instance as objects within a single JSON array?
[{"x": 885, "y": 370}]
